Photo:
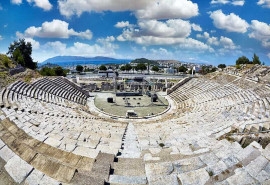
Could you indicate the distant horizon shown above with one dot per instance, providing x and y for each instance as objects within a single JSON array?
[{"x": 211, "y": 32}]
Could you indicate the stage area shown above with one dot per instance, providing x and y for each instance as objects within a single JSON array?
[{"x": 142, "y": 105}]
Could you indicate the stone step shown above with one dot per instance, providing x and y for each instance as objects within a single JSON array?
[
  {"x": 53, "y": 162},
  {"x": 118, "y": 179},
  {"x": 129, "y": 167},
  {"x": 99, "y": 173}
]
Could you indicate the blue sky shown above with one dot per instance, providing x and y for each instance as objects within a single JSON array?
[{"x": 209, "y": 31}]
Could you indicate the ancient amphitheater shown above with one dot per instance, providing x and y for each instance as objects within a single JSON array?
[{"x": 215, "y": 132}]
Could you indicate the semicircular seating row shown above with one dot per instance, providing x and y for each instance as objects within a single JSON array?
[{"x": 53, "y": 132}]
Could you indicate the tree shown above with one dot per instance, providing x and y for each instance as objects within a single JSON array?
[
  {"x": 182, "y": 69},
  {"x": 102, "y": 68},
  {"x": 56, "y": 71},
  {"x": 47, "y": 71},
  {"x": 222, "y": 66},
  {"x": 242, "y": 60},
  {"x": 126, "y": 67},
  {"x": 123, "y": 68},
  {"x": 140, "y": 67},
  {"x": 59, "y": 71},
  {"x": 21, "y": 52},
  {"x": 79, "y": 68},
  {"x": 256, "y": 59},
  {"x": 155, "y": 68}
]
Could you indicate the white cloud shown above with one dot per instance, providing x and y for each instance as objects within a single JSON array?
[
  {"x": 170, "y": 28},
  {"x": 224, "y": 42},
  {"x": 107, "y": 43},
  {"x": 78, "y": 49},
  {"x": 153, "y": 32},
  {"x": 238, "y": 3},
  {"x": 161, "y": 53},
  {"x": 230, "y": 23},
  {"x": 122, "y": 24},
  {"x": 144, "y": 9},
  {"x": 190, "y": 43},
  {"x": 75, "y": 7},
  {"x": 264, "y": 3},
  {"x": 233, "y": 2},
  {"x": 268, "y": 55},
  {"x": 227, "y": 43},
  {"x": 196, "y": 27},
  {"x": 44, "y": 4},
  {"x": 35, "y": 44},
  {"x": 168, "y": 9},
  {"x": 1, "y": 38},
  {"x": 261, "y": 32},
  {"x": 55, "y": 29},
  {"x": 209, "y": 40},
  {"x": 16, "y": 2}
]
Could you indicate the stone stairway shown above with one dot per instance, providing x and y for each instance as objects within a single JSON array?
[
  {"x": 128, "y": 171},
  {"x": 130, "y": 143},
  {"x": 128, "y": 167},
  {"x": 99, "y": 173}
]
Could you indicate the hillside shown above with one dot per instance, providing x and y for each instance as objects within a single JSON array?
[
  {"x": 5, "y": 79},
  {"x": 60, "y": 59}
]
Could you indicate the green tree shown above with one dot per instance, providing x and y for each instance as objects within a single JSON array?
[
  {"x": 21, "y": 52},
  {"x": 59, "y": 71},
  {"x": 222, "y": 66},
  {"x": 256, "y": 59},
  {"x": 182, "y": 69},
  {"x": 128, "y": 67},
  {"x": 102, "y": 68},
  {"x": 140, "y": 67},
  {"x": 123, "y": 68},
  {"x": 155, "y": 68},
  {"x": 47, "y": 71},
  {"x": 79, "y": 68},
  {"x": 242, "y": 60}
]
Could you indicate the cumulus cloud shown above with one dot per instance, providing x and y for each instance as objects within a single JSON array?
[
  {"x": 78, "y": 49},
  {"x": 122, "y": 24},
  {"x": 224, "y": 42},
  {"x": 233, "y": 2},
  {"x": 168, "y": 9},
  {"x": 227, "y": 43},
  {"x": 261, "y": 32},
  {"x": 75, "y": 7},
  {"x": 230, "y": 23},
  {"x": 16, "y": 2},
  {"x": 153, "y": 32},
  {"x": 190, "y": 43},
  {"x": 44, "y": 4},
  {"x": 264, "y": 3},
  {"x": 150, "y": 9},
  {"x": 35, "y": 44},
  {"x": 1, "y": 38},
  {"x": 55, "y": 29},
  {"x": 196, "y": 27},
  {"x": 170, "y": 28}
]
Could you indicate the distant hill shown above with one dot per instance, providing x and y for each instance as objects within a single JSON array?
[{"x": 75, "y": 60}]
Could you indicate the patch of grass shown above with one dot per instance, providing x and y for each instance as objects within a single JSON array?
[{"x": 210, "y": 173}]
